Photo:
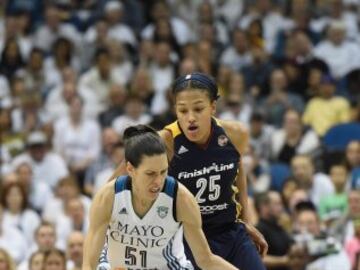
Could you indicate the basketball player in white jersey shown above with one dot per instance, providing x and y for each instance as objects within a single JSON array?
[{"x": 142, "y": 215}]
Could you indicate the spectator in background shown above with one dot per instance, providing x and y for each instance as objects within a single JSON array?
[
  {"x": 45, "y": 240},
  {"x": 74, "y": 250},
  {"x": 162, "y": 72},
  {"x": 36, "y": 261},
  {"x": 94, "y": 84},
  {"x": 270, "y": 208},
  {"x": 109, "y": 140},
  {"x": 341, "y": 55},
  {"x": 260, "y": 136},
  {"x": 316, "y": 70},
  {"x": 116, "y": 157},
  {"x": 352, "y": 159},
  {"x": 113, "y": 14},
  {"x": 141, "y": 85},
  {"x": 280, "y": 99},
  {"x": 117, "y": 97},
  {"x": 135, "y": 113},
  {"x": 293, "y": 139},
  {"x": 146, "y": 53},
  {"x": 54, "y": 259},
  {"x": 326, "y": 110},
  {"x": 236, "y": 108},
  {"x": 122, "y": 66},
  {"x": 77, "y": 139},
  {"x": 34, "y": 73},
  {"x": 62, "y": 56},
  {"x": 307, "y": 223},
  {"x": 6, "y": 262},
  {"x": 336, "y": 205},
  {"x": 54, "y": 28},
  {"x": 94, "y": 38},
  {"x": 38, "y": 192},
  {"x": 11, "y": 59},
  {"x": 317, "y": 185},
  {"x": 237, "y": 56},
  {"x": 206, "y": 14},
  {"x": 271, "y": 18},
  {"x": 352, "y": 246},
  {"x": 76, "y": 219},
  {"x": 47, "y": 166},
  {"x": 67, "y": 189},
  {"x": 161, "y": 10},
  {"x": 163, "y": 33},
  {"x": 17, "y": 212},
  {"x": 257, "y": 74},
  {"x": 12, "y": 139},
  {"x": 58, "y": 102},
  {"x": 12, "y": 240}
]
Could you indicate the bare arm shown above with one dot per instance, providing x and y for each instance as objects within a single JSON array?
[
  {"x": 188, "y": 213},
  {"x": 239, "y": 136},
  {"x": 100, "y": 215}
]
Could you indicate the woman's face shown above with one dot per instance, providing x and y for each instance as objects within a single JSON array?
[
  {"x": 194, "y": 110},
  {"x": 14, "y": 199},
  {"x": 3, "y": 262},
  {"x": 353, "y": 153},
  {"x": 54, "y": 262},
  {"x": 37, "y": 262},
  {"x": 149, "y": 176},
  {"x": 12, "y": 51}
]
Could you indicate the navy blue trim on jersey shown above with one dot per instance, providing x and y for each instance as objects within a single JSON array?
[
  {"x": 176, "y": 187},
  {"x": 120, "y": 183},
  {"x": 169, "y": 186},
  {"x": 172, "y": 261}
]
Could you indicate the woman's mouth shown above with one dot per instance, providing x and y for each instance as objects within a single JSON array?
[{"x": 193, "y": 129}]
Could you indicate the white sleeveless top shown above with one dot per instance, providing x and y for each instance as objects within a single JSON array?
[{"x": 154, "y": 242}]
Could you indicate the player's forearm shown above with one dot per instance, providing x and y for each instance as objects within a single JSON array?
[
  {"x": 276, "y": 261},
  {"x": 215, "y": 263},
  {"x": 93, "y": 245},
  {"x": 241, "y": 184}
]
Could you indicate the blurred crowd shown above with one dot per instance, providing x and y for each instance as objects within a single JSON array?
[{"x": 75, "y": 73}]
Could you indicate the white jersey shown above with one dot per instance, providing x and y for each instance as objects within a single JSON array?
[{"x": 154, "y": 242}]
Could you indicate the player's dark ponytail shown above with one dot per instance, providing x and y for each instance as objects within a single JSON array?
[{"x": 142, "y": 140}]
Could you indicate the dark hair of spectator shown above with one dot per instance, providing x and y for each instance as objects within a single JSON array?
[{"x": 6, "y": 190}]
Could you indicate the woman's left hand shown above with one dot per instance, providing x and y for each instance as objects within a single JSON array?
[{"x": 258, "y": 239}]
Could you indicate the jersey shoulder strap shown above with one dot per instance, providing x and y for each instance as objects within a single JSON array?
[
  {"x": 174, "y": 129},
  {"x": 171, "y": 188},
  {"x": 120, "y": 183}
]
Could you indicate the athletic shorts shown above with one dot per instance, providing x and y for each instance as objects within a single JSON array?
[{"x": 235, "y": 246}]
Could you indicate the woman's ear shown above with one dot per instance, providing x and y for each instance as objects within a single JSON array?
[
  {"x": 130, "y": 169},
  {"x": 213, "y": 107}
]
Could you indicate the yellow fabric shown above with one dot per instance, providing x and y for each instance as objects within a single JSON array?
[
  {"x": 322, "y": 114},
  {"x": 174, "y": 129}
]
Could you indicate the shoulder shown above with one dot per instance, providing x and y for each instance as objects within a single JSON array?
[
  {"x": 105, "y": 195},
  {"x": 237, "y": 132},
  {"x": 168, "y": 137}
]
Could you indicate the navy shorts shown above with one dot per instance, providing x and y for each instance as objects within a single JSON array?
[{"x": 235, "y": 246}]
